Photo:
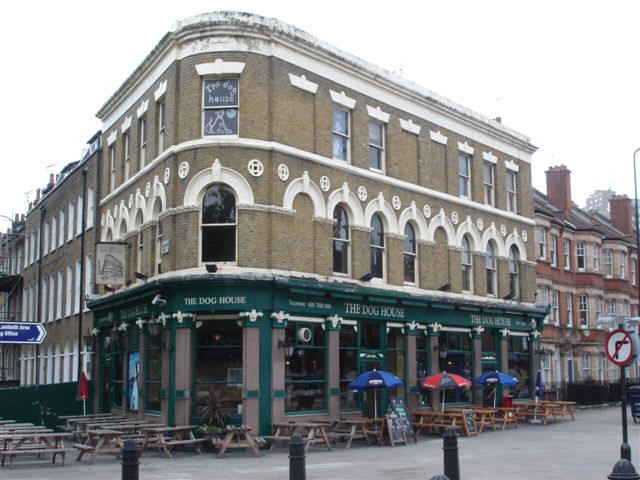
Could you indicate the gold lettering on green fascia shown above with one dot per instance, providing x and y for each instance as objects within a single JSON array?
[
  {"x": 310, "y": 304},
  {"x": 133, "y": 312},
  {"x": 218, "y": 300},
  {"x": 490, "y": 321},
  {"x": 373, "y": 310}
]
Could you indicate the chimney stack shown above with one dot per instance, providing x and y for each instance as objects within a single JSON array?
[
  {"x": 38, "y": 191},
  {"x": 30, "y": 205},
  {"x": 621, "y": 212},
  {"x": 17, "y": 218},
  {"x": 51, "y": 178},
  {"x": 559, "y": 187}
]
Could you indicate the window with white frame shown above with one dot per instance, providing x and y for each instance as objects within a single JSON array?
[
  {"x": 376, "y": 146},
  {"x": 464, "y": 175},
  {"x": 340, "y": 241},
  {"x": 553, "y": 250},
  {"x": 142, "y": 141},
  {"x": 544, "y": 297},
  {"x": 25, "y": 300},
  {"x": 623, "y": 308},
  {"x": 158, "y": 250},
  {"x": 633, "y": 272},
  {"x": 598, "y": 307},
  {"x": 91, "y": 200},
  {"x": 546, "y": 367},
  {"x": 32, "y": 248},
  {"x": 69, "y": 291},
  {"x": 409, "y": 254},
  {"x": 489, "y": 171},
  {"x": 542, "y": 243},
  {"x": 126, "y": 153},
  {"x": 37, "y": 245},
  {"x": 554, "y": 307},
  {"x": 514, "y": 273},
  {"x": 218, "y": 224},
  {"x": 466, "y": 258},
  {"x": 140, "y": 255},
  {"x": 622, "y": 267},
  {"x": 76, "y": 293},
  {"x": 377, "y": 247},
  {"x": 584, "y": 310},
  {"x": 611, "y": 307},
  {"x": 43, "y": 301},
  {"x": 608, "y": 262},
  {"x": 160, "y": 126},
  {"x": 45, "y": 246},
  {"x": 220, "y": 106},
  {"x": 54, "y": 233},
  {"x": 491, "y": 266},
  {"x": 61, "y": 231},
  {"x": 52, "y": 295},
  {"x": 71, "y": 221},
  {"x": 586, "y": 366},
  {"x": 596, "y": 257},
  {"x": 59, "y": 295},
  {"x": 569, "y": 307},
  {"x": 112, "y": 168},
  {"x": 341, "y": 142},
  {"x": 614, "y": 372},
  {"x": 79, "y": 211},
  {"x": 567, "y": 254},
  {"x": 511, "y": 183},
  {"x": 581, "y": 255},
  {"x": 88, "y": 276}
]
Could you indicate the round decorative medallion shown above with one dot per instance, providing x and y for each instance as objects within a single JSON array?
[
  {"x": 167, "y": 175},
  {"x": 586, "y": 333},
  {"x": 362, "y": 193},
  {"x": 115, "y": 211},
  {"x": 454, "y": 217},
  {"x": 325, "y": 183},
  {"x": 426, "y": 210},
  {"x": 503, "y": 230},
  {"x": 480, "y": 223},
  {"x": 147, "y": 189},
  {"x": 283, "y": 172},
  {"x": 395, "y": 201},
  {"x": 130, "y": 200},
  {"x": 524, "y": 235},
  {"x": 255, "y": 167},
  {"x": 102, "y": 220},
  {"x": 183, "y": 170}
]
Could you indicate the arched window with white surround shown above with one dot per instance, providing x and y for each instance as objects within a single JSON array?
[
  {"x": 466, "y": 259},
  {"x": 138, "y": 225},
  {"x": 491, "y": 264},
  {"x": 218, "y": 224},
  {"x": 514, "y": 284},
  {"x": 377, "y": 247},
  {"x": 340, "y": 241},
  {"x": 409, "y": 254}
]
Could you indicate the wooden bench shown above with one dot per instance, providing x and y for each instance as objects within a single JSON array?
[
  {"x": 33, "y": 451},
  {"x": 156, "y": 437}
]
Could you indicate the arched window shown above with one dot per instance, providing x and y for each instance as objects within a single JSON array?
[
  {"x": 218, "y": 224},
  {"x": 514, "y": 257},
  {"x": 409, "y": 254},
  {"x": 140, "y": 254},
  {"x": 466, "y": 262},
  {"x": 377, "y": 247},
  {"x": 340, "y": 241},
  {"x": 490, "y": 262}
]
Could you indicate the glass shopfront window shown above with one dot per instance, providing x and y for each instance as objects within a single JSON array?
[
  {"x": 153, "y": 372},
  {"x": 422, "y": 366},
  {"x": 370, "y": 336},
  {"x": 305, "y": 372},
  {"x": 395, "y": 357},
  {"x": 219, "y": 365},
  {"x": 520, "y": 366},
  {"x": 488, "y": 341},
  {"x": 454, "y": 351},
  {"x": 118, "y": 370},
  {"x": 348, "y": 366}
]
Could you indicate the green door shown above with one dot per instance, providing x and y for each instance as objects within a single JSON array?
[{"x": 372, "y": 402}]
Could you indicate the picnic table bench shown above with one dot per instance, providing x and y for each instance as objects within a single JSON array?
[
  {"x": 99, "y": 441},
  {"x": 437, "y": 421},
  {"x": 36, "y": 443},
  {"x": 484, "y": 417},
  {"x": 351, "y": 429},
  {"x": 238, "y": 436},
  {"x": 312, "y": 433},
  {"x": 542, "y": 410},
  {"x": 158, "y": 437},
  {"x": 506, "y": 415}
]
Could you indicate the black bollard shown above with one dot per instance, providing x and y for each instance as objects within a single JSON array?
[
  {"x": 623, "y": 470},
  {"x": 297, "y": 469},
  {"x": 450, "y": 447},
  {"x": 130, "y": 460}
]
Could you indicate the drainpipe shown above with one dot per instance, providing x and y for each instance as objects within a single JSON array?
[
  {"x": 43, "y": 212},
  {"x": 82, "y": 266}
]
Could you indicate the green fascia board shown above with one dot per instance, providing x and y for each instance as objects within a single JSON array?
[
  {"x": 346, "y": 296},
  {"x": 469, "y": 308},
  {"x": 443, "y": 306},
  {"x": 379, "y": 299}
]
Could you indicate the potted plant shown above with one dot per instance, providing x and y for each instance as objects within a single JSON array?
[{"x": 214, "y": 415}]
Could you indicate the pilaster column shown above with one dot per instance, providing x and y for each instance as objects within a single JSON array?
[
  {"x": 332, "y": 327},
  {"x": 504, "y": 355},
  {"x": 434, "y": 360},
  {"x": 535, "y": 357},
  {"x": 410, "y": 332},
  {"x": 278, "y": 325},
  {"x": 182, "y": 324},
  {"x": 251, "y": 368},
  {"x": 476, "y": 351}
]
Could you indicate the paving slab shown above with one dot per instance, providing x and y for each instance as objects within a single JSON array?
[{"x": 584, "y": 449}]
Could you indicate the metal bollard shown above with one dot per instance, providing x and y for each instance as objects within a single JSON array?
[
  {"x": 297, "y": 469},
  {"x": 130, "y": 461},
  {"x": 450, "y": 447},
  {"x": 623, "y": 470}
]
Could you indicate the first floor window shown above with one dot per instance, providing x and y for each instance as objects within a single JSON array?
[
  {"x": 466, "y": 265},
  {"x": 220, "y": 105},
  {"x": 142, "y": 127},
  {"x": 567, "y": 254},
  {"x": 489, "y": 171},
  {"x": 348, "y": 366},
  {"x": 584, "y": 311},
  {"x": 586, "y": 366},
  {"x": 160, "y": 126},
  {"x": 158, "y": 249},
  {"x": 69, "y": 290},
  {"x": 608, "y": 262},
  {"x": 581, "y": 254},
  {"x": 514, "y": 280},
  {"x": 409, "y": 254},
  {"x": 554, "y": 307},
  {"x": 377, "y": 247},
  {"x": 376, "y": 146},
  {"x": 601, "y": 367},
  {"x": 490, "y": 262},
  {"x": 153, "y": 372},
  {"x": 340, "y": 241},
  {"x": 304, "y": 373},
  {"x": 553, "y": 250},
  {"x": 511, "y": 190},
  {"x": 218, "y": 224},
  {"x": 464, "y": 175},
  {"x": 341, "y": 133},
  {"x": 569, "y": 306}
]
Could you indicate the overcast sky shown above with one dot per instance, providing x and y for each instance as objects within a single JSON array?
[{"x": 565, "y": 73}]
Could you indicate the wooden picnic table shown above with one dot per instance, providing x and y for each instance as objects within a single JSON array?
[
  {"x": 238, "y": 436},
  {"x": 542, "y": 410},
  {"x": 312, "y": 433},
  {"x": 506, "y": 415},
  {"x": 99, "y": 441},
  {"x": 80, "y": 417},
  {"x": 355, "y": 428},
  {"x": 167, "y": 438},
  {"x": 565, "y": 408},
  {"x": 34, "y": 443},
  {"x": 483, "y": 416},
  {"x": 25, "y": 430},
  {"x": 437, "y": 421}
]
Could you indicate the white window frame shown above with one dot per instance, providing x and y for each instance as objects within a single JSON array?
[
  {"x": 586, "y": 366},
  {"x": 61, "y": 229},
  {"x": 112, "y": 168},
  {"x": 52, "y": 293},
  {"x": 489, "y": 188},
  {"x": 596, "y": 257},
  {"x": 568, "y": 298},
  {"x": 465, "y": 178},
  {"x": 583, "y": 303},
  {"x": 608, "y": 262},
  {"x": 633, "y": 272},
  {"x": 71, "y": 213},
  {"x": 59, "y": 295},
  {"x": 601, "y": 364},
  {"x": 581, "y": 253},
  {"x": 43, "y": 301},
  {"x": 204, "y": 108},
  {"x": 88, "y": 278},
  {"x": 553, "y": 250},
  {"x": 413, "y": 254},
  {"x": 142, "y": 139},
  {"x": 54, "y": 233},
  {"x": 68, "y": 291},
  {"x": 126, "y": 154},
  {"x": 157, "y": 266},
  {"x": 380, "y": 148},
  {"x": 622, "y": 265},
  {"x": 45, "y": 247},
  {"x": 567, "y": 253},
  {"x": 79, "y": 212},
  {"x": 140, "y": 252},
  {"x": 512, "y": 196},
  {"x": 542, "y": 243},
  {"x": 77, "y": 284},
  {"x": 161, "y": 124},
  {"x": 91, "y": 200},
  {"x": 554, "y": 307},
  {"x": 611, "y": 307},
  {"x": 468, "y": 266},
  {"x": 340, "y": 134}
]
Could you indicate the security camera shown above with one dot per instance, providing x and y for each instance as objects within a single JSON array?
[
  {"x": 159, "y": 301},
  {"x": 304, "y": 335}
]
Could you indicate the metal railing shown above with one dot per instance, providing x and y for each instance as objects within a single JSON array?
[
  {"x": 588, "y": 392},
  {"x": 11, "y": 264}
]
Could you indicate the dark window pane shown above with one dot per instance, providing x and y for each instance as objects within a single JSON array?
[
  {"x": 340, "y": 121},
  {"x": 221, "y": 93},
  {"x": 219, "y": 244},
  {"x": 370, "y": 336},
  {"x": 375, "y": 134},
  {"x": 341, "y": 225},
  {"x": 487, "y": 339},
  {"x": 229, "y": 396},
  {"x": 214, "y": 364},
  {"x": 304, "y": 396},
  {"x": 377, "y": 232},
  {"x": 409, "y": 245},
  {"x": 377, "y": 262},
  {"x": 153, "y": 396},
  {"x": 340, "y": 257},
  {"x": 339, "y": 147},
  {"x": 409, "y": 268},
  {"x": 348, "y": 337},
  {"x": 221, "y": 121},
  {"x": 375, "y": 158},
  {"x": 218, "y": 205}
]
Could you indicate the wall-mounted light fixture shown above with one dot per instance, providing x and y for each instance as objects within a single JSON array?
[{"x": 287, "y": 347}]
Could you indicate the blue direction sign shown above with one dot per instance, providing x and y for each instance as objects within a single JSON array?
[{"x": 18, "y": 332}]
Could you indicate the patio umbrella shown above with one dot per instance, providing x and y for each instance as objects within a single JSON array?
[
  {"x": 83, "y": 392},
  {"x": 443, "y": 381},
  {"x": 496, "y": 378},
  {"x": 375, "y": 379}
]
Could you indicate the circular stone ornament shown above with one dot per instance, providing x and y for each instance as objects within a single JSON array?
[
  {"x": 480, "y": 223},
  {"x": 255, "y": 167},
  {"x": 147, "y": 189},
  {"x": 183, "y": 170},
  {"x": 167, "y": 175},
  {"x": 395, "y": 201},
  {"x": 362, "y": 193},
  {"x": 454, "y": 217},
  {"x": 325, "y": 183},
  {"x": 503, "y": 230},
  {"x": 426, "y": 210},
  {"x": 524, "y": 235},
  {"x": 283, "y": 172}
]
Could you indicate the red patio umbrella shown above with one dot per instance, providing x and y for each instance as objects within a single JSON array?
[
  {"x": 445, "y": 380},
  {"x": 83, "y": 392}
]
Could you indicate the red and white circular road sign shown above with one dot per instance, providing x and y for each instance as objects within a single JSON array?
[{"x": 619, "y": 347}]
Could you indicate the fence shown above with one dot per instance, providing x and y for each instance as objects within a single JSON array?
[
  {"x": 42, "y": 404},
  {"x": 589, "y": 392}
]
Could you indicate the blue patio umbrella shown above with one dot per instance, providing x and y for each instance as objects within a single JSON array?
[
  {"x": 496, "y": 378},
  {"x": 375, "y": 379}
]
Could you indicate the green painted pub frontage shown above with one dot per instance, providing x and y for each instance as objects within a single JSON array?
[{"x": 266, "y": 347}]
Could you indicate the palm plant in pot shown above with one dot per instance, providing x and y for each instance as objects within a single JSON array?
[{"x": 214, "y": 414}]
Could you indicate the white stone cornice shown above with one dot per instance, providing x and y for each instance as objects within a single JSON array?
[
  {"x": 126, "y": 125},
  {"x": 342, "y": 99},
  {"x": 160, "y": 91},
  {"x": 142, "y": 109},
  {"x": 112, "y": 137},
  {"x": 465, "y": 148},
  {"x": 489, "y": 157},
  {"x": 220, "y": 67},
  {"x": 509, "y": 165},
  {"x": 302, "y": 83},
  {"x": 409, "y": 126},
  {"x": 378, "y": 114},
  {"x": 437, "y": 137}
]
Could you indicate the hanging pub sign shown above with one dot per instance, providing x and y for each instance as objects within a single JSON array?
[{"x": 110, "y": 261}]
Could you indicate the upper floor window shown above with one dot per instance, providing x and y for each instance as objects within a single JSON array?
[
  {"x": 46, "y": 238},
  {"x": 580, "y": 253},
  {"x": 220, "y": 107},
  {"x": 611, "y": 308},
  {"x": 340, "y": 241},
  {"x": 566, "y": 245},
  {"x": 79, "y": 214},
  {"x": 633, "y": 272},
  {"x": 464, "y": 175},
  {"x": 489, "y": 183},
  {"x": 490, "y": 262},
  {"x": 596, "y": 257},
  {"x": 569, "y": 306},
  {"x": 341, "y": 133},
  {"x": 61, "y": 229},
  {"x": 127, "y": 156},
  {"x": 376, "y": 146},
  {"x": 112, "y": 168},
  {"x": 553, "y": 250},
  {"x": 90, "y": 207},
  {"x": 218, "y": 224},
  {"x": 554, "y": 307},
  {"x": 409, "y": 254},
  {"x": 598, "y": 307},
  {"x": 622, "y": 258},
  {"x": 54, "y": 232},
  {"x": 514, "y": 283},
  {"x": 160, "y": 127},
  {"x": 511, "y": 191},
  {"x": 158, "y": 250},
  {"x": 71, "y": 220},
  {"x": 377, "y": 247},
  {"x": 608, "y": 262},
  {"x": 584, "y": 311},
  {"x": 542, "y": 243},
  {"x": 466, "y": 259},
  {"x": 142, "y": 126}
]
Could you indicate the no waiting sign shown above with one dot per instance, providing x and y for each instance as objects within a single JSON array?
[{"x": 619, "y": 347}]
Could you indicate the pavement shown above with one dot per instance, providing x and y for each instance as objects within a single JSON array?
[{"x": 584, "y": 449}]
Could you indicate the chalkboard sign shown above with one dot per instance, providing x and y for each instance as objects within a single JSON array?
[
  {"x": 395, "y": 427},
  {"x": 469, "y": 423},
  {"x": 400, "y": 408}
]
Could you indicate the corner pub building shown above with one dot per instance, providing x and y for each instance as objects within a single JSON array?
[{"x": 295, "y": 216}]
